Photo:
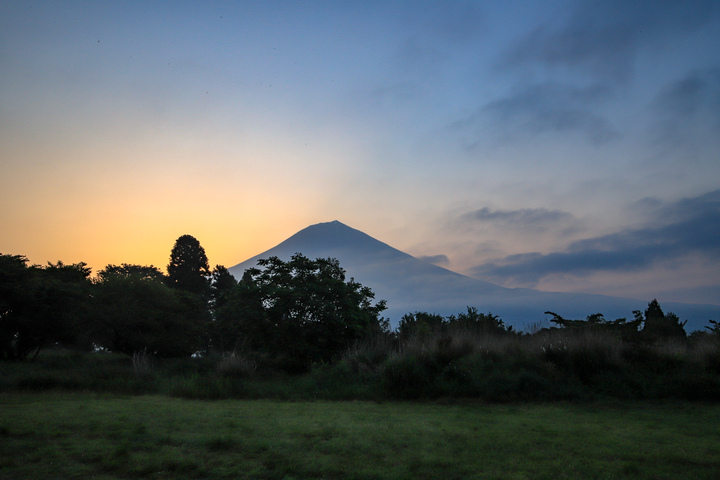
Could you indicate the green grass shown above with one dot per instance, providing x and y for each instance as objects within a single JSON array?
[{"x": 74, "y": 435}]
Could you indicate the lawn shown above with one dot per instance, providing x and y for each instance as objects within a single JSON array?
[{"x": 75, "y": 435}]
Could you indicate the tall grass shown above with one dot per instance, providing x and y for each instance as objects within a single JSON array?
[{"x": 559, "y": 364}]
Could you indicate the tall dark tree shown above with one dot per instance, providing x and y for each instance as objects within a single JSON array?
[
  {"x": 188, "y": 269},
  {"x": 241, "y": 322},
  {"x": 660, "y": 326},
  {"x": 222, "y": 282},
  {"x": 302, "y": 311}
]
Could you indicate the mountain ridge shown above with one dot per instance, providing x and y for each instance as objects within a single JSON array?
[{"x": 410, "y": 284}]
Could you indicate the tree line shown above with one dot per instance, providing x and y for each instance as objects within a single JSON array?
[
  {"x": 286, "y": 314},
  {"x": 295, "y": 312}
]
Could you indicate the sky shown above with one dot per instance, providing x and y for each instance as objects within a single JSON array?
[{"x": 559, "y": 145}]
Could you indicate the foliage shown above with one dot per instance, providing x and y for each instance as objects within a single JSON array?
[
  {"x": 301, "y": 311},
  {"x": 656, "y": 325},
  {"x": 240, "y": 319},
  {"x": 420, "y": 324},
  {"x": 126, "y": 270},
  {"x": 135, "y": 313},
  {"x": 659, "y": 326},
  {"x": 222, "y": 282},
  {"x": 39, "y": 306},
  {"x": 481, "y": 323},
  {"x": 188, "y": 269},
  {"x": 236, "y": 365},
  {"x": 714, "y": 327},
  {"x": 596, "y": 322},
  {"x": 424, "y": 324}
]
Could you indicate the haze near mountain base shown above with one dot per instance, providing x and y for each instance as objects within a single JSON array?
[{"x": 410, "y": 284}]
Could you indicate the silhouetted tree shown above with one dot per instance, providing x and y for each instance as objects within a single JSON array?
[
  {"x": 424, "y": 324},
  {"x": 481, "y": 323},
  {"x": 714, "y": 327},
  {"x": 626, "y": 330},
  {"x": 302, "y": 311},
  {"x": 40, "y": 306},
  {"x": 134, "y": 312},
  {"x": 188, "y": 269},
  {"x": 241, "y": 322},
  {"x": 222, "y": 283},
  {"x": 141, "y": 271},
  {"x": 420, "y": 324},
  {"x": 660, "y": 326}
]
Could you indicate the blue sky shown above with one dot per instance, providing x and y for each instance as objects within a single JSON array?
[{"x": 559, "y": 145}]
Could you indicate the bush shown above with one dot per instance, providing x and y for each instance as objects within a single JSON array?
[
  {"x": 583, "y": 353},
  {"x": 142, "y": 364},
  {"x": 410, "y": 376},
  {"x": 236, "y": 365}
]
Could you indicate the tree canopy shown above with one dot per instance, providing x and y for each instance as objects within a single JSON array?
[
  {"x": 301, "y": 311},
  {"x": 134, "y": 312},
  {"x": 188, "y": 268},
  {"x": 40, "y": 305}
]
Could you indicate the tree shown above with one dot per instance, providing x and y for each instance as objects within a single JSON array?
[
  {"x": 302, "y": 311},
  {"x": 420, "y": 324},
  {"x": 136, "y": 313},
  {"x": 628, "y": 331},
  {"x": 659, "y": 326},
  {"x": 188, "y": 269},
  {"x": 40, "y": 306},
  {"x": 222, "y": 282},
  {"x": 481, "y": 323},
  {"x": 714, "y": 327},
  {"x": 142, "y": 271},
  {"x": 240, "y": 320}
]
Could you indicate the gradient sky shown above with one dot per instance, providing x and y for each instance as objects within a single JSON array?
[{"x": 559, "y": 145}]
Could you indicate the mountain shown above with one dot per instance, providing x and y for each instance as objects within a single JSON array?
[{"x": 410, "y": 284}]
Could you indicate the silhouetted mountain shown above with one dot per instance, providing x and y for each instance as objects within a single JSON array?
[{"x": 409, "y": 284}]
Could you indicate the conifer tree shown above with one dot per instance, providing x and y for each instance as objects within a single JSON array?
[{"x": 188, "y": 269}]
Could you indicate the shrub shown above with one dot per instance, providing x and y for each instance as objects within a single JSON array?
[
  {"x": 583, "y": 353},
  {"x": 142, "y": 364},
  {"x": 367, "y": 357},
  {"x": 236, "y": 365},
  {"x": 409, "y": 375}
]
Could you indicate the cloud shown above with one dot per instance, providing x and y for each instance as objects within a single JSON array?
[
  {"x": 688, "y": 226},
  {"x": 687, "y": 106},
  {"x": 603, "y": 37},
  {"x": 546, "y": 108},
  {"x": 436, "y": 259},
  {"x": 538, "y": 219}
]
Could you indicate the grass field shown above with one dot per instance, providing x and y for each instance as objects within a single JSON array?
[{"x": 76, "y": 435}]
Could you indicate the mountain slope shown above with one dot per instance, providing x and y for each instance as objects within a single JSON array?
[{"x": 409, "y": 284}]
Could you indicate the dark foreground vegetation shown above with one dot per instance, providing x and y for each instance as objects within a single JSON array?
[{"x": 298, "y": 329}]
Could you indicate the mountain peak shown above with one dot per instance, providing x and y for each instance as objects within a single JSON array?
[
  {"x": 409, "y": 284},
  {"x": 330, "y": 236}
]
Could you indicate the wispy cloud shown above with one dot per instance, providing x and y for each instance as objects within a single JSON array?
[
  {"x": 537, "y": 219},
  {"x": 603, "y": 38},
  {"x": 540, "y": 109},
  {"x": 688, "y": 226},
  {"x": 686, "y": 106}
]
